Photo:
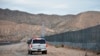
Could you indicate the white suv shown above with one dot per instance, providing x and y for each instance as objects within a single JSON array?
[{"x": 37, "y": 45}]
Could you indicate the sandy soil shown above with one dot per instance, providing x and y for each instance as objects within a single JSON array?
[{"x": 20, "y": 49}]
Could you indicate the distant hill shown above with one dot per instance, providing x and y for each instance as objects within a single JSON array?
[
  {"x": 58, "y": 23},
  {"x": 11, "y": 31},
  {"x": 14, "y": 22}
]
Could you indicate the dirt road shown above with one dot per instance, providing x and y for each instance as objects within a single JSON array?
[{"x": 20, "y": 49}]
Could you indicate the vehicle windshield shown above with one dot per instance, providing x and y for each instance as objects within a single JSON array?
[{"x": 39, "y": 41}]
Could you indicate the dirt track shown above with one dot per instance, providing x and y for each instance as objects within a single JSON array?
[{"x": 21, "y": 50}]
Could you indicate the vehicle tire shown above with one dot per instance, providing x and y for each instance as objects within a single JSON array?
[
  {"x": 30, "y": 52},
  {"x": 44, "y": 52}
]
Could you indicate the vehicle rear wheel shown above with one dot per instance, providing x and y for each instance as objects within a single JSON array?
[
  {"x": 30, "y": 52},
  {"x": 44, "y": 52}
]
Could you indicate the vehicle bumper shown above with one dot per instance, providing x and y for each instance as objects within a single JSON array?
[{"x": 37, "y": 50}]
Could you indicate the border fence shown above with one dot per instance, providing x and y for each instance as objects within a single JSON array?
[{"x": 85, "y": 39}]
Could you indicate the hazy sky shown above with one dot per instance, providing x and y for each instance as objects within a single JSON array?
[{"x": 60, "y": 7}]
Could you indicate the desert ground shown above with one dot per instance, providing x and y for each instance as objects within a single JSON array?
[{"x": 20, "y": 49}]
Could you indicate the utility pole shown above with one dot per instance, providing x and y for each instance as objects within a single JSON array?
[{"x": 43, "y": 30}]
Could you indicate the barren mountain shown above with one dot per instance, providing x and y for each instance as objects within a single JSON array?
[
  {"x": 11, "y": 31},
  {"x": 17, "y": 22},
  {"x": 87, "y": 19},
  {"x": 56, "y": 22}
]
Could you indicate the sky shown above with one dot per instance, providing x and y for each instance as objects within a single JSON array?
[{"x": 59, "y": 7}]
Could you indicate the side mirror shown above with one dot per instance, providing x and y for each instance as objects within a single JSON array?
[{"x": 27, "y": 42}]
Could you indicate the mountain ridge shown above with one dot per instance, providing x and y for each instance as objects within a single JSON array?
[
  {"x": 71, "y": 21},
  {"x": 55, "y": 23}
]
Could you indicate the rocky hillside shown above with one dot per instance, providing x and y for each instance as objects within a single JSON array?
[
  {"x": 56, "y": 22},
  {"x": 11, "y": 31},
  {"x": 19, "y": 23}
]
